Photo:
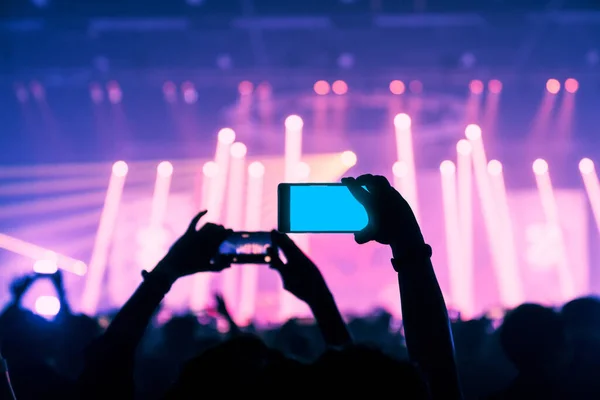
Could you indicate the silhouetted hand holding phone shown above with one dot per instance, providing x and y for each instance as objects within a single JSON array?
[
  {"x": 193, "y": 251},
  {"x": 426, "y": 326},
  {"x": 302, "y": 278},
  {"x": 391, "y": 220}
]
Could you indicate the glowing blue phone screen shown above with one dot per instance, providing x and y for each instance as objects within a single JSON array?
[{"x": 322, "y": 208}]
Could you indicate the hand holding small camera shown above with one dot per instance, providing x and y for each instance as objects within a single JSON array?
[{"x": 193, "y": 251}]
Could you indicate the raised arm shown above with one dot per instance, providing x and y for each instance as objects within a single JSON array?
[
  {"x": 426, "y": 325},
  {"x": 110, "y": 359},
  {"x": 302, "y": 278},
  {"x": 234, "y": 329}
]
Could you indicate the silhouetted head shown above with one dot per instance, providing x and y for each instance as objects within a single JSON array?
[
  {"x": 534, "y": 339},
  {"x": 237, "y": 366},
  {"x": 360, "y": 369},
  {"x": 582, "y": 315},
  {"x": 27, "y": 338}
]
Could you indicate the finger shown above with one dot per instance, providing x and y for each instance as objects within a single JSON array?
[
  {"x": 286, "y": 244},
  {"x": 357, "y": 190},
  {"x": 374, "y": 183},
  {"x": 219, "y": 236},
  {"x": 364, "y": 236},
  {"x": 275, "y": 262},
  {"x": 215, "y": 232},
  {"x": 195, "y": 220}
]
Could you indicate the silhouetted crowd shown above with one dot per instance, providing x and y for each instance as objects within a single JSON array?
[{"x": 531, "y": 352}]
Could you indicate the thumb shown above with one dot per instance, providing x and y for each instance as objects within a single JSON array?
[
  {"x": 286, "y": 244},
  {"x": 275, "y": 262},
  {"x": 364, "y": 236},
  {"x": 195, "y": 220}
]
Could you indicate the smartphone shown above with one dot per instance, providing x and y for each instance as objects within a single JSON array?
[
  {"x": 245, "y": 248},
  {"x": 318, "y": 208}
]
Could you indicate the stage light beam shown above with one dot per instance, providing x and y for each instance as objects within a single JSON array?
[
  {"x": 506, "y": 272},
  {"x": 294, "y": 123},
  {"x": 402, "y": 121},
  {"x": 550, "y": 208},
  {"x": 108, "y": 218},
  {"x": 464, "y": 185},
  {"x": 249, "y": 274},
  {"x": 553, "y": 86},
  {"x": 348, "y": 158},
  {"x": 405, "y": 154},
  {"x": 473, "y": 132},
  {"x": 226, "y": 136},
  {"x": 592, "y": 187}
]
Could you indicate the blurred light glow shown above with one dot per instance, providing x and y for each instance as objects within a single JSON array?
[
  {"x": 348, "y": 158},
  {"x": 245, "y": 88},
  {"x": 21, "y": 93},
  {"x": 397, "y": 87},
  {"x": 45, "y": 267},
  {"x": 256, "y": 169},
  {"x": 190, "y": 95},
  {"x": 553, "y": 86},
  {"x": 476, "y": 86},
  {"x": 165, "y": 169},
  {"x": 170, "y": 92},
  {"x": 210, "y": 169},
  {"x": 473, "y": 132},
  {"x": 120, "y": 168},
  {"x": 571, "y": 85},
  {"x": 37, "y": 90},
  {"x": 416, "y": 87},
  {"x": 540, "y": 166},
  {"x": 294, "y": 123},
  {"x": 495, "y": 86},
  {"x": 494, "y": 167},
  {"x": 47, "y": 306},
  {"x": 114, "y": 92},
  {"x": 402, "y": 121},
  {"x": 226, "y": 136},
  {"x": 339, "y": 87},
  {"x": 238, "y": 150},
  {"x": 400, "y": 169},
  {"x": 447, "y": 167},
  {"x": 302, "y": 171},
  {"x": 96, "y": 93},
  {"x": 264, "y": 90},
  {"x": 321, "y": 87},
  {"x": 586, "y": 166},
  {"x": 463, "y": 147}
]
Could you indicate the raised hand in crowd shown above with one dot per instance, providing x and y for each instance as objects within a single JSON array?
[
  {"x": 20, "y": 286},
  {"x": 302, "y": 278},
  {"x": 59, "y": 285},
  {"x": 194, "y": 250},
  {"x": 426, "y": 326},
  {"x": 221, "y": 308},
  {"x": 110, "y": 360}
]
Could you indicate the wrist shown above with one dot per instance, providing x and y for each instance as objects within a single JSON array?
[
  {"x": 164, "y": 272},
  {"x": 400, "y": 247},
  {"x": 320, "y": 299},
  {"x": 411, "y": 256}
]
